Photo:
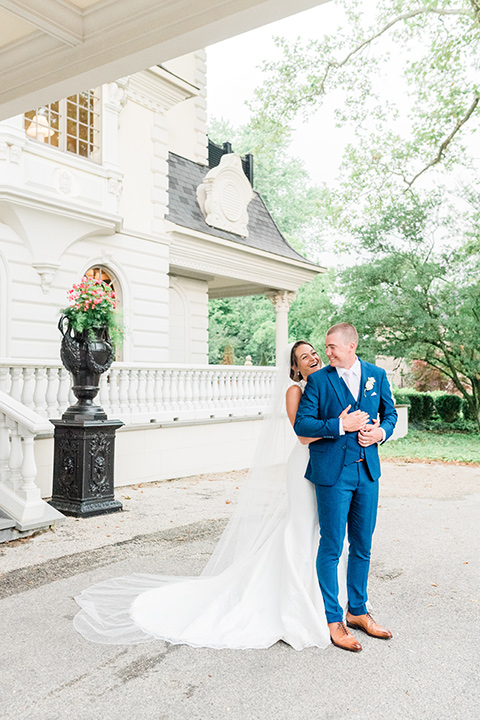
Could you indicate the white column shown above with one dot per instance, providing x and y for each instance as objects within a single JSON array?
[{"x": 281, "y": 299}]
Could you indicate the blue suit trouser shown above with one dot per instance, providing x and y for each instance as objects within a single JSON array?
[{"x": 349, "y": 504}]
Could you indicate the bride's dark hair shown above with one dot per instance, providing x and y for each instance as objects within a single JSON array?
[{"x": 295, "y": 373}]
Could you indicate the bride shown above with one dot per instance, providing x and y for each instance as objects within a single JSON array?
[{"x": 260, "y": 585}]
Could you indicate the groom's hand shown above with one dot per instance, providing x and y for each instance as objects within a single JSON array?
[
  {"x": 355, "y": 421},
  {"x": 370, "y": 434}
]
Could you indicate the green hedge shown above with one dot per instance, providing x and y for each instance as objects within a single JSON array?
[
  {"x": 421, "y": 404},
  {"x": 448, "y": 407}
]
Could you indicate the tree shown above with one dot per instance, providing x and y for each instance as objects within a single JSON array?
[
  {"x": 407, "y": 202},
  {"x": 418, "y": 296},
  {"x": 399, "y": 136},
  {"x": 247, "y": 324}
]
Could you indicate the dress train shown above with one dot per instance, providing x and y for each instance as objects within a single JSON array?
[{"x": 270, "y": 594}]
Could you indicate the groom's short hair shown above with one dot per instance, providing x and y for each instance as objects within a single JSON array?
[{"x": 348, "y": 332}]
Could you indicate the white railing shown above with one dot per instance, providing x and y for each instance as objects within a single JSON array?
[
  {"x": 139, "y": 392},
  {"x": 19, "y": 495}
]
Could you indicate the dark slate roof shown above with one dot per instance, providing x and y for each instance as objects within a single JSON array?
[{"x": 184, "y": 176}]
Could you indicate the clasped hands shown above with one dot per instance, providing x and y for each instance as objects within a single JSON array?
[{"x": 368, "y": 434}]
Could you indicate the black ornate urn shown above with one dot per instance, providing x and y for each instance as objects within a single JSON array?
[
  {"x": 86, "y": 359},
  {"x": 83, "y": 466}
]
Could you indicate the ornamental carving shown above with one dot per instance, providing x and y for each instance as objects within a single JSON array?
[
  {"x": 100, "y": 453},
  {"x": 224, "y": 196},
  {"x": 68, "y": 447},
  {"x": 281, "y": 299}
]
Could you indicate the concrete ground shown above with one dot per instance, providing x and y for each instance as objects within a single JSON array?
[{"x": 424, "y": 586}]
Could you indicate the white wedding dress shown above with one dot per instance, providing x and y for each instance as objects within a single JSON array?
[{"x": 269, "y": 593}]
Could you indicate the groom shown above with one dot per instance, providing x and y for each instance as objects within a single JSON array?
[{"x": 345, "y": 469}]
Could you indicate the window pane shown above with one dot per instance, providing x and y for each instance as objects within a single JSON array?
[{"x": 81, "y": 123}]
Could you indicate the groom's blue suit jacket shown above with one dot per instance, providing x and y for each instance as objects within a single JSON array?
[{"x": 324, "y": 398}]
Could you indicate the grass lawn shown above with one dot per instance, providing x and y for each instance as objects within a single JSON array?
[{"x": 456, "y": 447}]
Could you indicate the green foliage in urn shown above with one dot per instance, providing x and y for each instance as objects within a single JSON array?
[{"x": 93, "y": 307}]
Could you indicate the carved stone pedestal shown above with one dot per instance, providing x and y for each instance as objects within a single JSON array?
[{"x": 83, "y": 467}]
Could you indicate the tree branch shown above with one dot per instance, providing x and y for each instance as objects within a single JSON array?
[
  {"x": 446, "y": 142},
  {"x": 382, "y": 31}
]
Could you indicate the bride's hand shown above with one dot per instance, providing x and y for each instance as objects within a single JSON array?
[{"x": 344, "y": 412}]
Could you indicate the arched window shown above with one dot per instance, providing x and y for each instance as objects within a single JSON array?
[{"x": 100, "y": 272}]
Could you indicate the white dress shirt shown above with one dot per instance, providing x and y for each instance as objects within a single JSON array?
[{"x": 352, "y": 377}]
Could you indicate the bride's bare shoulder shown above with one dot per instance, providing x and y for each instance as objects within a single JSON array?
[
  {"x": 294, "y": 392},
  {"x": 292, "y": 400}
]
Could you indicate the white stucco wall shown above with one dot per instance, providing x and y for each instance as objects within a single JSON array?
[
  {"x": 188, "y": 319},
  {"x": 187, "y": 121},
  {"x": 135, "y": 160},
  {"x": 153, "y": 453}
]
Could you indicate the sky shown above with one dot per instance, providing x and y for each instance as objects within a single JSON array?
[{"x": 233, "y": 75}]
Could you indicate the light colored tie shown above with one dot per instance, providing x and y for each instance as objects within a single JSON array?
[{"x": 349, "y": 379}]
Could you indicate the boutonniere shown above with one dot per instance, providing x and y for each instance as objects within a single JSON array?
[{"x": 369, "y": 385}]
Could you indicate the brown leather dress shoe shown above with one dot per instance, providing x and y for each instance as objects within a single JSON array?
[
  {"x": 368, "y": 625},
  {"x": 342, "y": 638}
]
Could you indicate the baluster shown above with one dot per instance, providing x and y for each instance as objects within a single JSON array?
[
  {"x": 158, "y": 393},
  {"x": 167, "y": 395},
  {"x": 4, "y": 379},
  {"x": 123, "y": 390},
  {"x": 40, "y": 391},
  {"x": 222, "y": 389},
  {"x": 113, "y": 391},
  {"x": 236, "y": 388},
  {"x": 188, "y": 386},
  {"x": 29, "y": 468},
  {"x": 241, "y": 389},
  {"x": 16, "y": 457},
  {"x": 204, "y": 396},
  {"x": 215, "y": 389},
  {"x": 263, "y": 390},
  {"x": 28, "y": 387},
  {"x": 142, "y": 390},
  {"x": 256, "y": 390},
  {"x": 64, "y": 384},
  {"x": 103, "y": 393},
  {"x": 15, "y": 387},
  {"x": 4, "y": 449},
  {"x": 174, "y": 391},
  {"x": 229, "y": 391},
  {"x": 150, "y": 390},
  {"x": 51, "y": 394},
  {"x": 132, "y": 390},
  {"x": 196, "y": 403}
]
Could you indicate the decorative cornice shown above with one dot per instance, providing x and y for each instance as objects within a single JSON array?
[
  {"x": 180, "y": 235},
  {"x": 264, "y": 271},
  {"x": 62, "y": 208},
  {"x": 158, "y": 90}
]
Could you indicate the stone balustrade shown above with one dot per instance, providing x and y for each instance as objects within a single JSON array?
[
  {"x": 20, "y": 497},
  {"x": 139, "y": 393}
]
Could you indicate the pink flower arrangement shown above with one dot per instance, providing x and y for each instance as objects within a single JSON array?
[{"x": 93, "y": 307}]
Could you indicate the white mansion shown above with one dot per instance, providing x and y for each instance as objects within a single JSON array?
[{"x": 115, "y": 182}]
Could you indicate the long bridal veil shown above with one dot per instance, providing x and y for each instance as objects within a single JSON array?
[{"x": 105, "y": 614}]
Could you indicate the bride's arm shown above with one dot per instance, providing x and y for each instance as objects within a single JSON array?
[{"x": 292, "y": 400}]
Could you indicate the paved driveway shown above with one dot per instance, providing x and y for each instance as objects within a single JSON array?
[{"x": 424, "y": 585}]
